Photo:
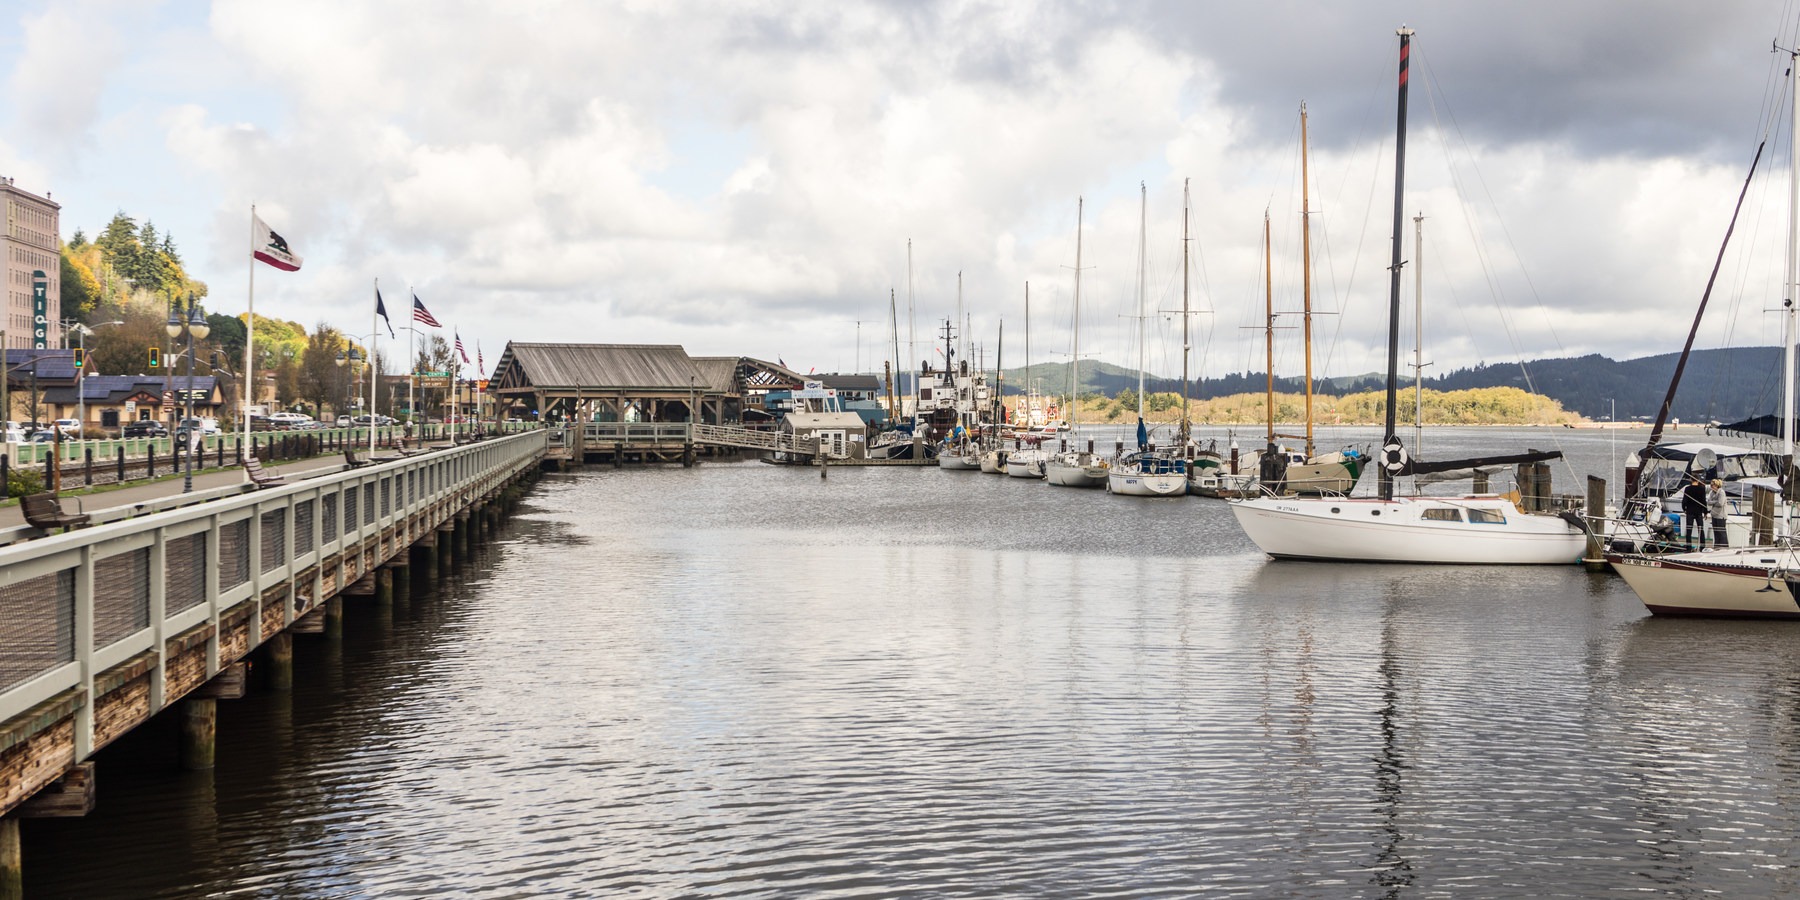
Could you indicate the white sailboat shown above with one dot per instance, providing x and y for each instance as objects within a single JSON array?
[
  {"x": 1076, "y": 468},
  {"x": 1147, "y": 472},
  {"x": 1474, "y": 529},
  {"x": 1755, "y": 581},
  {"x": 1026, "y": 458}
]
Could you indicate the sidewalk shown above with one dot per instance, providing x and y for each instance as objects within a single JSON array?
[{"x": 74, "y": 499}]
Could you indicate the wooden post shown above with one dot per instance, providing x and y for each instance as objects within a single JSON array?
[
  {"x": 1762, "y": 517},
  {"x": 199, "y": 733},
  {"x": 427, "y": 556},
  {"x": 334, "y": 619},
  {"x": 12, "y": 861},
  {"x": 1596, "y": 512},
  {"x": 279, "y": 657},
  {"x": 384, "y": 586},
  {"x": 401, "y": 580}
]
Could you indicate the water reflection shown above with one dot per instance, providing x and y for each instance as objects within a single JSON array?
[{"x": 742, "y": 680}]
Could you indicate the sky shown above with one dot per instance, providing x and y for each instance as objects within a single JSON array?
[{"x": 790, "y": 181}]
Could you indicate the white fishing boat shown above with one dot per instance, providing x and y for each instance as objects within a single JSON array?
[
  {"x": 1079, "y": 468},
  {"x": 1478, "y": 529}
]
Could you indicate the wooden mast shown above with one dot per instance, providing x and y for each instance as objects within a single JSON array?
[{"x": 1306, "y": 278}]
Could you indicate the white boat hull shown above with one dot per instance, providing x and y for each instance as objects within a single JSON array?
[
  {"x": 1744, "y": 582},
  {"x": 993, "y": 463},
  {"x": 957, "y": 462},
  {"x": 1076, "y": 475},
  {"x": 1025, "y": 464},
  {"x": 1371, "y": 530},
  {"x": 1131, "y": 484}
]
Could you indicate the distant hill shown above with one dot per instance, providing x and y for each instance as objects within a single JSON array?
[{"x": 1721, "y": 385}]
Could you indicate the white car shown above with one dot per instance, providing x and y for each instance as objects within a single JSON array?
[{"x": 288, "y": 419}]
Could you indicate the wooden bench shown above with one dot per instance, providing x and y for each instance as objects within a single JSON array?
[
  {"x": 46, "y": 512},
  {"x": 260, "y": 476},
  {"x": 354, "y": 461}
]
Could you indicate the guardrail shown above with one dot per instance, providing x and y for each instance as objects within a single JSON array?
[{"x": 86, "y": 613}]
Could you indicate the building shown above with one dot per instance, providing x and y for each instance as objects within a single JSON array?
[
  {"x": 31, "y": 243},
  {"x": 841, "y": 435},
  {"x": 112, "y": 400},
  {"x": 626, "y": 383}
]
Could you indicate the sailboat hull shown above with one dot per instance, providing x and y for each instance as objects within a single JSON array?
[
  {"x": 1402, "y": 531},
  {"x": 1745, "y": 583},
  {"x": 1322, "y": 478},
  {"x": 1132, "y": 484},
  {"x": 957, "y": 461},
  {"x": 1063, "y": 474}
]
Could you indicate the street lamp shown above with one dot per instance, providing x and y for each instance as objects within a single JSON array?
[
  {"x": 355, "y": 359},
  {"x": 81, "y": 333},
  {"x": 197, "y": 330}
]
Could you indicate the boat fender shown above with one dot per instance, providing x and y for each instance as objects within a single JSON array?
[{"x": 1393, "y": 457}]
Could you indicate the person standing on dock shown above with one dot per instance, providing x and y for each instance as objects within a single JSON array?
[
  {"x": 1715, "y": 504},
  {"x": 1693, "y": 512}
]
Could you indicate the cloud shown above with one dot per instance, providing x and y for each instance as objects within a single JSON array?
[{"x": 56, "y": 85}]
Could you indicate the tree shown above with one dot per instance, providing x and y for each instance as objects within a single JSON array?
[
  {"x": 319, "y": 379},
  {"x": 80, "y": 289},
  {"x": 436, "y": 356},
  {"x": 228, "y": 333}
]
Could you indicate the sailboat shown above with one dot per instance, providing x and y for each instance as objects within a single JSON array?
[
  {"x": 1753, "y": 581},
  {"x": 1149, "y": 472},
  {"x": 1469, "y": 529},
  {"x": 1332, "y": 473},
  {"x": 1076, "y": 468},
  {"x": 1026, "y": 460}
]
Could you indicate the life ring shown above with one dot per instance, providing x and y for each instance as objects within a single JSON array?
[{"x": 1393, "y": 457}]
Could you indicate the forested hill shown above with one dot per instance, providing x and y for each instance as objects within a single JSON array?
[{"x": 1722, "y": 385}]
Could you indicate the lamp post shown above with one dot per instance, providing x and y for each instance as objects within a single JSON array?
[
  {"x": 355, "y": 359},
  {"x": 197, "y": 330}
]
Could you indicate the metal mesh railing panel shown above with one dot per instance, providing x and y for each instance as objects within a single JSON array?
[
  {"x": 121, "y": 596},
  {"x": 368, "y": 504},
  {"x": 303, "y": 527},
  {"x": 274, "y": 539},
  {"x": 234, "y": 554},
  {"x": 328, "y": 521},
  {"x": 350, "y": 510},
  {"x": 184, "y": 572},
  {"x": 387, "y": 497},
  {"x": 37, "y": 626}
]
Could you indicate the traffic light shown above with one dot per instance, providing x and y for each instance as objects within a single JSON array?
[
  {"x": 155, "y": 357},
  {"x": 80, "y": 357}
]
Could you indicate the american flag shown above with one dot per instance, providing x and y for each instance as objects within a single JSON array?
[
  {"x": 421, "y": 314},
  {"x": 459, "y": 347},
  {"x": 478, "y": 363}
]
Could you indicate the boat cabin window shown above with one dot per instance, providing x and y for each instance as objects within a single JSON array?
[
  {"x": 924, "y": 393},
  {"x": 1487, "y": 516},
  {"x": 1441, "y": 515},
  {"x": 1750, "y": 465}
]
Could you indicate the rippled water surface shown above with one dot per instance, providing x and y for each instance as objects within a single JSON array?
[{"x": 744, "y": 680}]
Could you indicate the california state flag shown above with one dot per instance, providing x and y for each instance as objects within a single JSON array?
[{"x": 270, "y": 247}]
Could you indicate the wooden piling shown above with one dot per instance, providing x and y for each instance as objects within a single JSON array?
[
  {"x": 12, "y": 861},
  {"x": 400, "y": 578},
  {"x": 199, "y": 733},
  {"x": 1595, "y": 560},
  {"x": 1762, "y": 517},
  {"x": 278, "y": 656},
  {"x": 334, "y": 619}
]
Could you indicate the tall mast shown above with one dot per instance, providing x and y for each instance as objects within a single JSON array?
[
  {"x": 1143, "y": 237},
  {"x": 1185, "y": 431},
  {"x": 1030, "y": 385},
  {"x": 912, "y": 333},
  {"x": 1269, "y": 327},
  {"x": 1306, "y": 278},
  {"x": 1793, "y": 269},
  {"x": 999, "y": 405},
  {"x": 1389, "y": 439},
  {"x": 894, "y": 376},
  {"x": 1418, "y": 332},
  {"x": 1075, "y": 340}
]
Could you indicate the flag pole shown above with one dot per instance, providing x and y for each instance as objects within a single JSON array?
[
  {"x": 249, "y": 342},
  {"x": 412, "y": 361},
  {"x": 374, "y": 342}
]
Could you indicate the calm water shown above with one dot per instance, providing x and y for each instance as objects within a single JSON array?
[{"x": 743, "y": 680}]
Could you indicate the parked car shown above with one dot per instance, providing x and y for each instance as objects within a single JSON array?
[
  {"x": 206, "y": 425},
  {"x": 288, "y": 419},
  {"x": 145, "y": 428},
  {"x": 344, "y": 421},
  {"x": 42, "y": 436},
  {"x": 69, "y": 427},
  {"x": 13, "y": 435},
  {"x": 379, "y": 420}
]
